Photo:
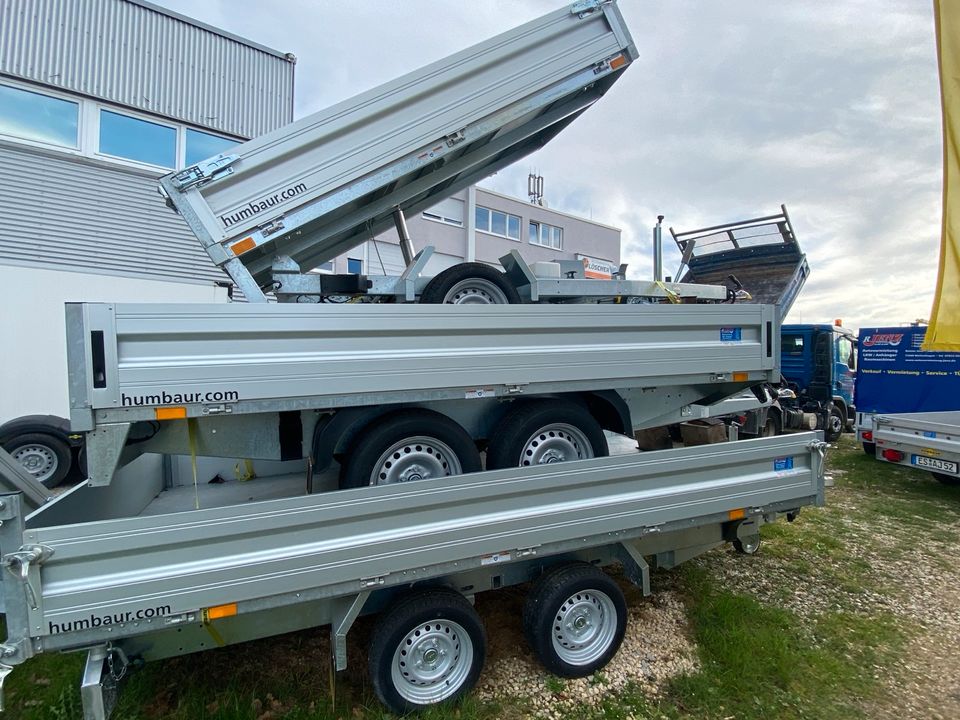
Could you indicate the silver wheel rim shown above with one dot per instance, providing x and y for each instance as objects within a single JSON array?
[
  {"x": 38, "y": 460},
  {"x": 751, "y": 545},
  {"x": 558, "y": 442},
  {"x": 836, "y": 424},
  {"x": 584, "y": 627},
  {"x": 475, "y": 291},
  {"x": 415, "y": 458},
  {"x": 432, "y": 662}
]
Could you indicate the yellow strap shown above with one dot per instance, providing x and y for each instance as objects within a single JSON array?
[
  {"x": 214, "y": 633},
  {"x": 671, "y": 295}
]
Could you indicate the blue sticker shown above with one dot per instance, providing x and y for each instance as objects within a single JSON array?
[
  {"x": 783, "y": 464},
  {"x": 929, "y": 434},
  {"x": 731, "y": 334}
]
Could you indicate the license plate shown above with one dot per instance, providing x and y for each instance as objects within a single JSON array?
[{"x": 934, "y": 464}]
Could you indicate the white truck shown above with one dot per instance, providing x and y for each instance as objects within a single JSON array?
[{"x": 467, "y": 434}]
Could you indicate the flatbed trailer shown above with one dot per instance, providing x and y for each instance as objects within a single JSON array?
[
  {"x": 926, "y": 441},
  {"x": 142, "y": 586}
]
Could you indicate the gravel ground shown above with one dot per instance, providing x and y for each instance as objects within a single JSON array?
[{"x": 655, "y": 649}]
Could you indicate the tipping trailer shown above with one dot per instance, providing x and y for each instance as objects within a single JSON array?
[
  {"x": 466, "y": 440},
  {"x": 925, "y": 440}
]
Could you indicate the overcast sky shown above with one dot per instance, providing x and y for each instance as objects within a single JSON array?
[{"x": 831, "y": 108}]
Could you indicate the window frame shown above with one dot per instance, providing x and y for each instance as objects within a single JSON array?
[
  {"x": 489, "y": 231},
  {"x": 88, "y": 129},
  {"x": 27, "y": 87},
  {"x": 539, "y": 242}
]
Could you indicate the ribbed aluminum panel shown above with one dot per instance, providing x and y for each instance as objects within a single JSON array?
[
  {"x": 73, "y": 215},
  {"x": 137, "y": 56}
]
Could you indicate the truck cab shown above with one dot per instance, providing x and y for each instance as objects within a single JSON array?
[{"x": 819, "y": 366}]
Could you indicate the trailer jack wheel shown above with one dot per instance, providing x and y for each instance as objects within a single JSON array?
[
  {"x": 429, "y": 648},
  {"x": 748, "y": 545},
  {"x": 574, "y": 619}
]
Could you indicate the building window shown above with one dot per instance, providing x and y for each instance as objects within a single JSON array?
[
  {"x": 354, "y": 266},
  {"x": 135, "y": 139},
  {"x": 449, "y": 211},
  {"x": 202, "y": 145},
  {"x": 546, "y": 235},
  {"x": 41, "y": 118},
  {"x": 498, "y": 223}
]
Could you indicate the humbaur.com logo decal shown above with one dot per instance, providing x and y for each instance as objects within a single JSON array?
[
  {"x": 258, "y": 206},
  {"x": 165, "y": 398}
]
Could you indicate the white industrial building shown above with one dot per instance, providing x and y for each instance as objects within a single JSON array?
[{"x": 98, "y": 99}]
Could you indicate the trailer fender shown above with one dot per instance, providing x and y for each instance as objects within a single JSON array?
[
  {"x": 333, "y": 435},
  {"x": 610, "y": 410}
]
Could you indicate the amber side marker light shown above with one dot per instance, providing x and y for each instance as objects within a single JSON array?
[
  {"x": 239, "y": 248},
  {"x": 220, "y": 611},
  {"x": 738, "y": 514},
  {"x": 170, "y": 413},
  {"x": 618, "y": 62},
  {"x": 740, "y": 377}
]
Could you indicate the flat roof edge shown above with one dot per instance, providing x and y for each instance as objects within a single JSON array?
[{"x": 289, "y": 57}]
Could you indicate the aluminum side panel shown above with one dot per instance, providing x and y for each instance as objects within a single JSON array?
[
  {"x": 196, "y": 559},
  {"x": 408, "y": 121},
  {"x": 211, "y": 353}
]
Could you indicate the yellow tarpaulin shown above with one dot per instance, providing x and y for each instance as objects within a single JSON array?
[{"x": 944, "y": 330}]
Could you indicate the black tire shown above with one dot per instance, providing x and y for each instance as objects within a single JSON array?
[
  {"x": 454, "y": 286},
  {"x": 436, "y": 440},
  {"x": 565, "y": 424},
  {"x": 870, "y": 448},
  {"x": 559, "y": 600},
  {"x": 747, "y": 546},
  {"x": 946, "y": 479},
  {"x": 438, "y": 621},
  {"x": 835, "y": 424},
  {"x": 45, "y": 457}
]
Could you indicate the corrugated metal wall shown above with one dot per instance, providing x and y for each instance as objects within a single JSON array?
[
  {"x": 71, "y": 215},
  {"x": 132, "y": 54}
]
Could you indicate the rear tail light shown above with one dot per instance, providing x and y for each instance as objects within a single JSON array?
[
  {"x": 867, "y": 435},
  {"x": 892, "y": 455}
]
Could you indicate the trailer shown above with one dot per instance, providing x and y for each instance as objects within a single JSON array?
[
  {"x": 896, "y": 377},
  {"x": 143, "y": 586},
  {"x": 928, "y": 441},
  {"x": 444, "y": 447}
]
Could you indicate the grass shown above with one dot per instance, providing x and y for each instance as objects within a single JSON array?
[{"x": 761, "y": 657}]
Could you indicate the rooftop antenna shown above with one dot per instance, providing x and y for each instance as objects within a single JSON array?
[{"x": 535, "y": 188}]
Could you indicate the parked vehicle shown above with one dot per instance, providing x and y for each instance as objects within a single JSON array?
[
  {"x": 44, "y": 446},
  {"x": 393, "y": 404},
  {"x": 895, "y": 376},
  {"x": 926, "y": 440},
  {"x": 818, "y": 365}
]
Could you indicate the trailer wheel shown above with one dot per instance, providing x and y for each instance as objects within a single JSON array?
[
  {"x": 546, "y": 431},
  {"x": 835, "y": 424},
  {"x": 407, "y": 446},
  {"x": 45, "y": 457},
  {"x": 946, "y": 479},
  {"x": 870, "y": 448},
  {"x": 470, "y": 284},
  {"x": 429, "y": 648},
  {"x": 575, "y": 618}
]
